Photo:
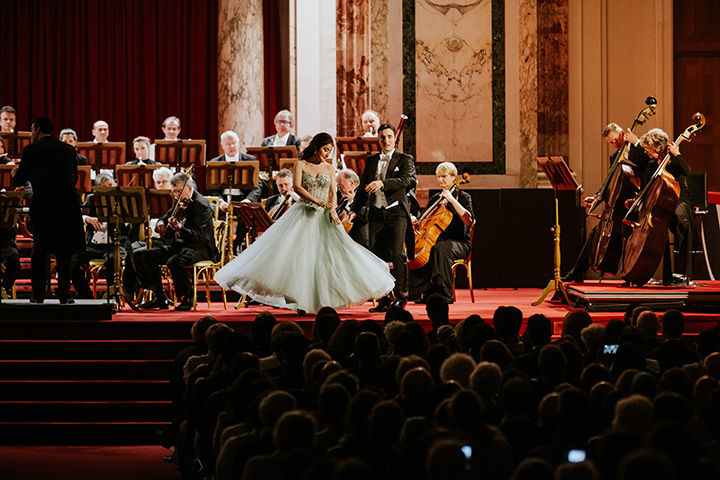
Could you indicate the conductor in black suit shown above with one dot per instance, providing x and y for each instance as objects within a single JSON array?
[
  {"x": 187, "y": 241},
  {"x": 385, "y": 183},
  {"x": 51, "y": 167}
]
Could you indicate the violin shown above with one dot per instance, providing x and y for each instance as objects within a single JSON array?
[
  {"x": 280, "y": 209},
  {"x": 431, "y": 224}
]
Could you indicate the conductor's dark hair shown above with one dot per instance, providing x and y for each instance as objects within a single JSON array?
[
  {"x": 44, "y": 124},
  {"x": 318, "y": 141}
]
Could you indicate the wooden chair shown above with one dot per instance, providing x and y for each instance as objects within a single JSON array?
[
  {"x": 467, "y": 263},
  {"x": 205, "y": 269}
]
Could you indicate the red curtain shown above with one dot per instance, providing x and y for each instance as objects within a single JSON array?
[
  {"x": 273, "y": 64},
  {"x": 131, "y": 63}
]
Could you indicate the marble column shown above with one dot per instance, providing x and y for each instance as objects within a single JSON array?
[
  {"x": 353, "y": 65},
  {"x": 379, "y": 64},
  {"x": 240, "y": 70},
  {"x": 528, "y": 95}
]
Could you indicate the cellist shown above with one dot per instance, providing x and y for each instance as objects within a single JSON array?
[
  {"x": 615, "y": 136},
  {"x": 657, "y": 145},
  {"x": 453, "y": 243}
]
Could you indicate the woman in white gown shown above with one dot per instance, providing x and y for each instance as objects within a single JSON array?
[{"x": 305, "y": 260}]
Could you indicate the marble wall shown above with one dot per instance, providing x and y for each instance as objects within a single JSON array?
[
  {"x": 240, "y": 70},
  {"x": 353, "y": 64}
]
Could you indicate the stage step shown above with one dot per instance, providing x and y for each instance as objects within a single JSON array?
[
  {"x": 80, "y": 382},
  {"x": 85, "y": 369},
  {"x": 79, "y": 433}
]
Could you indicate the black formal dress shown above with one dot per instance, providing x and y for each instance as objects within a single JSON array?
[
  {"x": 51, "y": 167},
  {"x": 454, "y": 243},
  {"x": 194, "y": 242},
  {"x": 390, "y": 228}
]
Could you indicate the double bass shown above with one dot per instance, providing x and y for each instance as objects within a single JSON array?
[
  {"x": 650, "y": 216},
  {"x": 431, "y": 224},
  {"x": 620, "y": 185}
]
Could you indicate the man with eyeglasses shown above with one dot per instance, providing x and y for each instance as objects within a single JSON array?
[{"x": 284, "y": 123}]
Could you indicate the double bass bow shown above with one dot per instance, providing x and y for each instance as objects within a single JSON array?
[
  {"x": 431, "y": 224},
  {"x": 650, "y": 216},
  {"x": 619, "y": 186}
]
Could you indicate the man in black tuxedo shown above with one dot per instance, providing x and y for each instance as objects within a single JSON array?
[
  {"x": 51, "y": 167},
  {"x": 284, "y": 122},
  {"x": 187, "y": 241},
  {"x": 385, "y": 183}
]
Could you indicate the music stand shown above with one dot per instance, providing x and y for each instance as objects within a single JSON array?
[
  {"x": 6, "y": 178},
  {"x": 84, "y": 181},
  {"x": 116, "y": 205},
  {"x": 270, "y": 159},
  {"x": 138, "y": 175},
  {"x": 220, "y": 175},
  {"x": 254, "y": 216},
  {"x": 102, "y": 156},
  {"x": 560, "y": 178},
  {"x": 368, "y": 145},
  {"x": 15, "y": 142},
  {"x": 355, "y": 161},
  {"x": 180, "y": 153}
]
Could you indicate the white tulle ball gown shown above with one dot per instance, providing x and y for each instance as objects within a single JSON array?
[{"x": 305, "y": 261}]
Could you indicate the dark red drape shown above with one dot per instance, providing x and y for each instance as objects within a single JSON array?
[
  {"x": 131, "y": 63},
  {"x": 273, "y": 63}
]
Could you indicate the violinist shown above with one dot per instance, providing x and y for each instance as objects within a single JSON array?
[
  {"x": 657, "y": 145},
  {"x": 278, "y": 204},
  {"x": 615, "y": 136},
  {"x": 453, "y": 243},
  {"x": 347, "y": 183},
  {"x": 189, "y": 238}
]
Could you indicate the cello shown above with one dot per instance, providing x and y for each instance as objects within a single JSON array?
[
  {"x": 653, "y": 208},
  {"x": 619, "y": 186},
  {"x": 431, "y": 224}
]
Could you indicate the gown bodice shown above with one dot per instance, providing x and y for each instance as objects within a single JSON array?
[{"x": 318, "y": 187}]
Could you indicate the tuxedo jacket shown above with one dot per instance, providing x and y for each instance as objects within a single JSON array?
[
  {"x": 51, "y": 167},
  {"x": 399, "y": 180},
  {"x": 198, "y": 230},
  {"x": 253, "y": 195},
  {"x": 291, "y": 141}
]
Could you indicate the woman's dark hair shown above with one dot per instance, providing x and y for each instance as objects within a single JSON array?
[{"x": 318, "y": 141}]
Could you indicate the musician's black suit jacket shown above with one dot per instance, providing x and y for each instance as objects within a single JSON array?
[
  {"x": 198, "y": 230},
  {"x": 253, "y": 195}
]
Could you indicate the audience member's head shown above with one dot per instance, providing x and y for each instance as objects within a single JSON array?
[
  {"x": 539, "y": 330},
  {"x": 437, "y": 309},
  {"x": 648, "y": 323},
  {"x": 507, "y": 322},
  {"x": 634, "y": 413},
  {"x": 673, "y": 324},
  {"x": 458, "y": 367},
  {"x": 573, "y": 323},
  {"x": 295, "y": 432}
]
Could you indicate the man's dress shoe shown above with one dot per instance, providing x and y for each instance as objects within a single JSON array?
[
  {"x": 381, "y": 306},
  {"x": 66, "y": 300},
  {"x": 156, "y": 302},
  {"x": 398, "y": 304},
  {"x": 36, "y": 300},
  {"x": 185, "y": 305}
]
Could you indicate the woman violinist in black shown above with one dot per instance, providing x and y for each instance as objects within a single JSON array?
[{"x": 453, "y": 243}]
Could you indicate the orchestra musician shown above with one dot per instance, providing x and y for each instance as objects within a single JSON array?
[
  {"x": 4, "y": 158},
  {"x": 383, "y": 189},
  {"x": 230, "y": 143},
  {"x": 69, "y": 136},
  {"x": 8, "y": 119},
  {"x": 141, "y": 147},
  {"x": 657, "y": 145},
  {"x": 189, "y": 239},
  {"x": 284, "y": 123},
  {"x": 286, "y": 195},
  {"x": 99, "y": 244},
  {"x": 171, "y": 130},
  {"x": 615, "y": 136},
  {"x": 370, "y": 122},
  {"x": 347, "y": 183},
  {"x": 453, "y": 243},
  {"x": 51, "y": 167},
  {"x": 100, "y": 131}
]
